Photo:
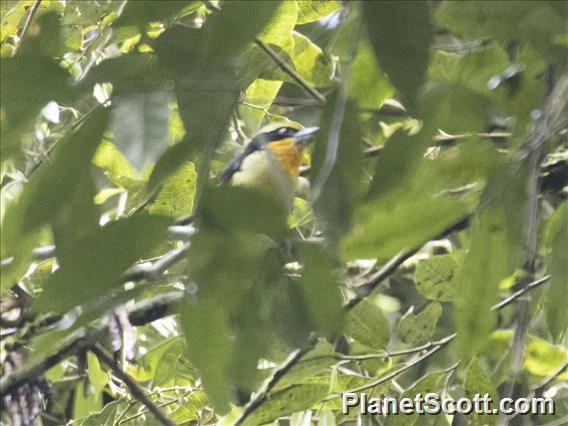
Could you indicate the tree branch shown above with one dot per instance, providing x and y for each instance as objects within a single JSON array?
[
  {"x": 143, "y": 271},
  {"x": 259, "y": 398},
  {"x": 431, "y": 348},
  {"x": 143, "y": 312},
  {"x": 392, "y": 265},
  {"x": 435, "y": 348},
  {"x": 134, "y": 388},
  {"x": 290, "y": 71},
  {"x": 551, "y": 120}
]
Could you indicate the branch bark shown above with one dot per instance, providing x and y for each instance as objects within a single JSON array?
[
  {"x": 551, "y": 120},
  {"x": 143, "y": 312},
  {"x": 291, "y": 72},
  {"x": 134, "y": 388},
  {"x": 431, "y": 348}
]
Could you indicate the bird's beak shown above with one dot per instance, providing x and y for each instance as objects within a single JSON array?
[{"x": 305, "y": 134}]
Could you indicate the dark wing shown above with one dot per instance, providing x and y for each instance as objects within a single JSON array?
[{"x": 235, "y": 164}]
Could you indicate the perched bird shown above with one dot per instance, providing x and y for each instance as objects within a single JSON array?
[{"x": 271, "y": 161}]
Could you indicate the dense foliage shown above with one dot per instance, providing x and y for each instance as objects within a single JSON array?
[{"x": 429, "y": 253}]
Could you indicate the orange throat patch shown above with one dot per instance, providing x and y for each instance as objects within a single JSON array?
[{"x": 289, "y": 153}]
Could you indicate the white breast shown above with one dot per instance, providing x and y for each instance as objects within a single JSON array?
[{"x": 261, "y": 171}]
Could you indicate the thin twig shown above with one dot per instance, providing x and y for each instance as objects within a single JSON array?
[
  {"x": 290, "y": 71},
  {"x": 258, "y": 399},
  {"x": 513, "y": 297},
  {"x": 236, "y": 125},
  {"x": 257, "y": 107},
  {"x": 392, "y": 265},
  {"x": 141, "y": 313},
  {"x": 175, "y": 233},
  {"x": 143, "y": 271},
  {"x": 135, "y": 389},
  {"x": 543, "y": 384},
  {"x": 141, "y": 413},
  {"x": 438, "y": 346},
  {"x": 29, "y": 20},
  {"x": 431, "y": 348}
]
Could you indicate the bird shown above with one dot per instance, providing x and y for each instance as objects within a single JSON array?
[{"x": 270, "y": 162}]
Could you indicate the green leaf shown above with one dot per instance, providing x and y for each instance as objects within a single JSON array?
[
  {"x": 27, "y": 83},
  {"x": 409, "y": 199},
  {"x": 94, "y": 265},
  {"x": 280, "y": 26},
  {"x": 313, "y": 10},
  {"x": 428, "y": 383},
  {"x": 236, "y": 271},
  {"x": 557, "y": 260},
  {"x": 54, "y": 188},
  {"x": 435, "y": 278},
  {"x": 210, "y": 346},
  {"x": 139, "y": 122},
  {"x": 56, "y": 183},
  {"x": 310, "y": 62},
  {"x": 368, "y": 84},
  {"x": 401, "y": 33},
  {"x": 287, "y": 401},
  {"x": 149, "y": 363},
  {"x": 343, "y": 185},
  {"x": 134, "y": 72},
  {"x": 209, "y": 74},
  {"x": 142, "y": 13},
  {"x": 290, "y": 317},
  {"x": 175, "y": 198},
  {"x": 12, "y": 16},
  {"x": 320, "y": 287},
  {"x": 541, "y": 21},
  {"x": 542, "y": 358},
  {"x": 455, "y": 108},
  {"x": 306, "y": 369},
  {"x": 477, "y": 381},
  {"x": 494, "y": 254},
  {"x": 109, "y": 158},
  {"x": 260, "y": 93},
  {"x": 97, "y": 377},
  {"x": 397, "y": 162},
  {"x": 305, "y": 57},
  {"x": 105, "y": 417},
  {"x": 191, "y": 408},
  {"x": 405, "y": 219},
  {"x": 367, "y": 324},
  {"x": 257, "y": 212},
  {"x": 419, "y": 328},
  {"x": 87, "y": 400}
]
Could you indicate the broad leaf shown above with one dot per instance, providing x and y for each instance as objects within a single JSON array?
[
  {"x": 419, "y": 328},
  {"x": 139, "y": 123},
  {"x": 435, "y": 277},
  {"x": 367, "y": 324},
  {"x": 557, "y": 291},
  {"x": 401, "y": 33}
]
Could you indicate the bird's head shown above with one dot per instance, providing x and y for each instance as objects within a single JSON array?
[
  {"x": 286, "y": 143},
  {"x": 282, "y": 142},
  {"x": 278, "y": 132}
]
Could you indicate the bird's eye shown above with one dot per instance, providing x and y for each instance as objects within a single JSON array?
[{"x": 282, "y": 130}]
